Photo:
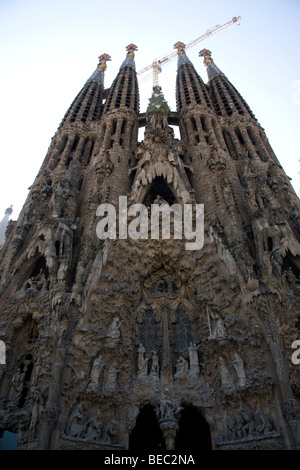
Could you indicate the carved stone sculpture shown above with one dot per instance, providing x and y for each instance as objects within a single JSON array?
[
  {"x": 142, "y": 361},
  {"x": 96, "y": 371},
  {"x": 240, "y": 371},
  {"x": 113, "y": 333},
  {"x": 226, "y": 380}
]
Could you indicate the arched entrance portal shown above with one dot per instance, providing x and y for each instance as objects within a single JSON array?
[
  {"x": 146, "y": 435},
  {"x": 194, "y": 432}
]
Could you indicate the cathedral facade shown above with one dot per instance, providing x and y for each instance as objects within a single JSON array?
[{"x": 137, "y": 343}]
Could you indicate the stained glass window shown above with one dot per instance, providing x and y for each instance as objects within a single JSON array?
[
  {"x": 182, "y": 331},
  {"x": 149, "y": 332}
]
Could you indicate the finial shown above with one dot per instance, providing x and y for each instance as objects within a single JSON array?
[
  {"x": 131, "y": 49},
  {"x": 181, "y": 55},
  {"x": 102, "y": 61},
  {"x": 180, "y": 46},
  {"x": 207, "y": 56},
  {"x": 98, "y": 75},
  {"x": 129, "y": 61},
  {"x": 212, "y": 69}
]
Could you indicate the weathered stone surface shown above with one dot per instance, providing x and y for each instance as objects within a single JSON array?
[{"x": 97, "y": 332}]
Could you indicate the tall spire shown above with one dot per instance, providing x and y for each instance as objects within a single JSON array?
[
  {"x": 190, "y": 88},
  {"x": 225, "y": 97},
  {"x": 87, "y": 106},
  {"x": 212, "y": 69},
  {"x": 182, "y": 57},
  {"x": 124, "y": 90},
  {"x": 98, "y": 75},
  {"x": 129, "y": 61}
]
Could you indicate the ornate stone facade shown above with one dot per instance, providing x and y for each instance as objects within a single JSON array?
[{"x": 108, "y": 339}]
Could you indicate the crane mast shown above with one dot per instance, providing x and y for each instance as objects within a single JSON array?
[{"x": 157, "y": 64}]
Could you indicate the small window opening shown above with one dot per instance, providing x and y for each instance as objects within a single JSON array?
[
  {"x": 239, "y": 136},
  {"x": 193, "y": 121}
]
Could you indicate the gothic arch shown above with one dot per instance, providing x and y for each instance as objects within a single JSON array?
[
  {"x": 194, "y": 432},
  {"x": 159, "y": 189},
  {"x": 146, "y": 436},
  {"x": 35, "y": 273}
]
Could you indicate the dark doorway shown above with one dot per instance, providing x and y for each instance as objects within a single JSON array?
[
  {"x": 146, "y": 435},
  {"x": 194, "y": 433},
  {"x": 159, "y": 188}
]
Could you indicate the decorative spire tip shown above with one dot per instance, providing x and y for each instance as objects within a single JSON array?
[
  {"x": 180, "y": 46},
  {"x": 131, "y": 50},
  {"x": 102, "y": 61},
  {"x": 207, "y": 56}
]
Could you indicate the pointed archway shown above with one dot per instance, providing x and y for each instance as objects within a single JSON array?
[
  {"x": 194, "y": 432},
  {"x": 159, "y": 190},
  {"x": 146, "y": 435}
]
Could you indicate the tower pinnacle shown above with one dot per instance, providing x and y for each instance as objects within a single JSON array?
[
  {"x": 129, "y": 61},
  {"x": 98, "y": 75},
  {"x": 212, "y": 69},
  {"x": 182, "y": 57}
]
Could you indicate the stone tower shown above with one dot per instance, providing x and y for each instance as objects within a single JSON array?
[{"x": 136, "y": 342}]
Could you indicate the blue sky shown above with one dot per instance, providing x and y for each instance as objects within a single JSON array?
[{"x": 49, "y": 48}]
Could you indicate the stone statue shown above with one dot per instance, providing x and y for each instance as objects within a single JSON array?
[
  {"x": 240, "y": 371},
  {"x": 194, "y": 362},
  {"x": 113, "y": 334},
  {"x": 231, "y": 428},
  {"x": 132, "y": 414},
  {"x": 97, "y": 368},
  {"x": 75, "y": 427},
  {"x": 142, "y": 361},
  {"x": 155, "y": 365},
  {"x": 18, "y": 383},
  {"x": 219, "y": 331},
  {"x": 262, "y": 423},
  {"x": 167, "y": 409},
  {"x": 111, "y": 379},
  {"x": 226, "y": 381},
  {"x": 181, "y": 368},
  {"x": 244, "y": 425},
  {"x": 94, "y": 427},
  {"x": 110, "y": 431},
  {"x": 36, "y": 413}
]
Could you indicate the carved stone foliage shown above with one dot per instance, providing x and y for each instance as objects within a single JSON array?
[{"x": 158, "y": 157}]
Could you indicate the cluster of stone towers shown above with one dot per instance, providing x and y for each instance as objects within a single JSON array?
[{"x": 141, "y": 344}]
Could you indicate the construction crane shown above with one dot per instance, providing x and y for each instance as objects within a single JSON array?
[{"x": 156, "y": 65}]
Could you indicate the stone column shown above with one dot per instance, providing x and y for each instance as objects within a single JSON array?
[{"x": 169, "y": 428}]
